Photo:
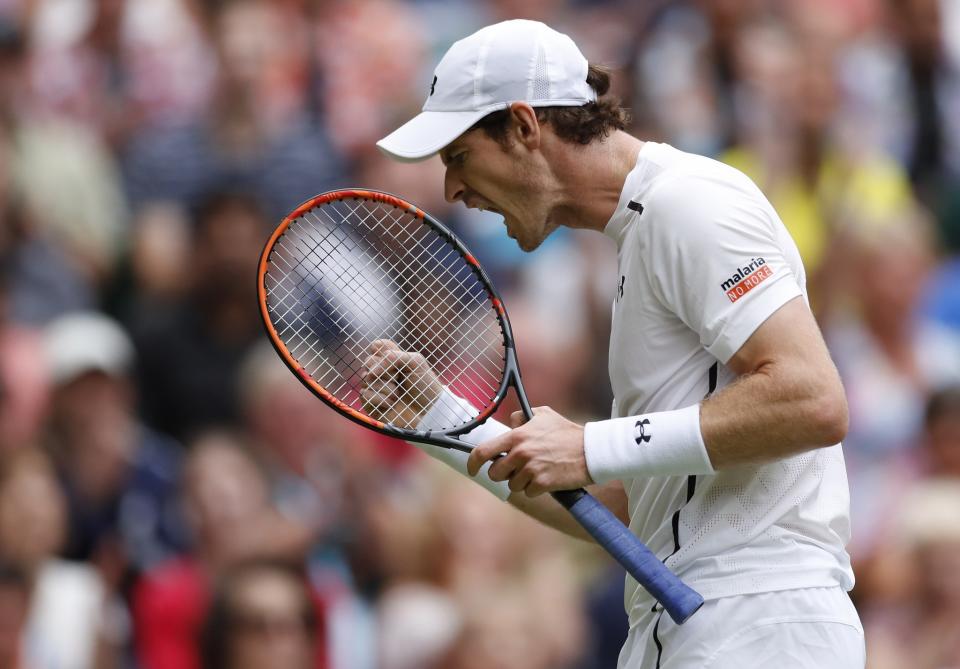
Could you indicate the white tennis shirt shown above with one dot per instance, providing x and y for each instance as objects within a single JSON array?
[{"x": 704, "y": 260}]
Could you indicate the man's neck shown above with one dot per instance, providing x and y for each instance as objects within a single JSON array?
[{"x": 591, "y": 179}]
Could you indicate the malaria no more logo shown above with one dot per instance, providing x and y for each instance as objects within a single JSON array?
[
  {"x": 642, "y": 436},
  {"x": 746, "y": 278}
]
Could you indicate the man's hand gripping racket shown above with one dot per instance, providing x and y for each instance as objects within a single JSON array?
[{"x": 385, "y": 315}]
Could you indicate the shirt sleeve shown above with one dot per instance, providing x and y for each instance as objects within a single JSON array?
[{"x": 714, "y": 255}]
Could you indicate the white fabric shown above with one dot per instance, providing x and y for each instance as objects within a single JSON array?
[
  {"x": 657, "y": 444},
  {"x": 66, "y": 611},
  {"x": 747, "y": 529},
  {"x": 814, "y": 628},
  {"x": 449, "y": 405},
  {"x": 507, "y": 62},
  {"x": 82, "y": 342}
]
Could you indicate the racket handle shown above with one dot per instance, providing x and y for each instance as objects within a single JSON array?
[{"x": 678, "y": 599}]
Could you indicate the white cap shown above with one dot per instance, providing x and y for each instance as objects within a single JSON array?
[
  {"x": 86, "y": 342},
  {"x": 512, "y": 61}
]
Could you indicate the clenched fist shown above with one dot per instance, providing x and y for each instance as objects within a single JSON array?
[{"x": 398, "y": 386}]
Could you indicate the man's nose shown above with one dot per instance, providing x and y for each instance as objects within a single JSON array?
[{"x": 452, "y": 187}]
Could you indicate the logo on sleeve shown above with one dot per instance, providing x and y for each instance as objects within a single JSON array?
[
  {"x": 746, "y": 278},
  {"x": 642, "y": 436}
]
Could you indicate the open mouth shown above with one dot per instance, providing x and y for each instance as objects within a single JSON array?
[{"x": 492, "y": 210}]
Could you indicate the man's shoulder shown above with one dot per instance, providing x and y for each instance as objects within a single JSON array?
[{"x": 688, "y": 180}]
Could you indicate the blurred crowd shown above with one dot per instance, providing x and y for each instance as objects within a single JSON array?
[{"x": 172, "y": 498}]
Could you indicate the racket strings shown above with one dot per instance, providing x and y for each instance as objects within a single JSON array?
[
  {"x": 459, "y": 279},
  {"x": 440, "y": 370},
  {"x": 413, "y": 340},
  {"x": 463, "y": 274},
  {"x": 348, "y": 273}
]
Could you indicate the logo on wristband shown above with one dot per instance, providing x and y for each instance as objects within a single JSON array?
[{"x": 643, "y": 437}]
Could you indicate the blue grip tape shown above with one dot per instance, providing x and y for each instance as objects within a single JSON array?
[{"x": 679, "y": 600}]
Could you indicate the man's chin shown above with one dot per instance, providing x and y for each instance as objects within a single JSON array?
[{"x": 527, "y": 245}]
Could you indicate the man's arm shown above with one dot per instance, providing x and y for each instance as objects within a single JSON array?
[
  {"x": 549, "y": 512},
  {"x": 788, "y": 399}
]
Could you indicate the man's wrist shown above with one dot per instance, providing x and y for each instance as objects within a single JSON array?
[
  {"x": 666, "y": 443},
  {"x": 446, "y": 408}
]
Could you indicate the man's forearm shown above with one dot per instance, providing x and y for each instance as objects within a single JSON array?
[
  {"x": 549, "y": 511},
  {"x": 772, "y": 413}
]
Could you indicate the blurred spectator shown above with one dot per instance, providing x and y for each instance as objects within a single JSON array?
[
  {"x": 523, "y": 612},
  {"x": 418, "y": 624},
  {"x": 42, "y": 278},
  {"x": 120, "y": 478},
  {"x": 189, "y": 352},
  {"x": 904, "y": 78},
  {"x": 941, "y": 446},
  {"x": 684, "y": 70},
  {"x": 932, "y": 87},
  {"x": 23, "y": 383},
  {"x": 152, "y": 279},
  {"x": 113, "y": 64},
  {"x": 921, "y": 631},
  {"x": 262, "y": 615},
  {"x": 64, "y": 173},
  {"x": 889, "y": 358},
  {"x": 229, "y": 511},
  {"x": 367, "y": 84},
  {"x": 888, "y": 355},
  {"x": 68, "y": 626},
  {"x": 257, "y": 134},
  {"x": 323, "y": 471},
  {"x": 304, "y": 447},
  {"x": 792, "y": 150},
  {"x": 14, "y": 609},
  {"x": 937, "y": 456}
]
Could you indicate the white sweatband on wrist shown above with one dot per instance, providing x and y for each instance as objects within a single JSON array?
[
  {"x": 449, "y": 405},
  {"x": 666, "y": 443}
]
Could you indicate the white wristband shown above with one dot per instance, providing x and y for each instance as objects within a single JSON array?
[
  {"x": 667, "y": 443},
  {"x": 449, "y": 405}
]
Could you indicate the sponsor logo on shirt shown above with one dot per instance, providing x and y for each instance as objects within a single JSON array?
[{"x": 746, "y": 278}]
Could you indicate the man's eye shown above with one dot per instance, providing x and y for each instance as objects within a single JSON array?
[{"x": 459, "y": 159}]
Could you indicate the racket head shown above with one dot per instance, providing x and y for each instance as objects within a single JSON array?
[{"x": 352, "y": 266}]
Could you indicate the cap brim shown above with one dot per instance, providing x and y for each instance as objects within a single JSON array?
[{"x": 426, "y": 133}]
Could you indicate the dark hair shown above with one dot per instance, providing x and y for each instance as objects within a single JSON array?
[
  {"x": 577, "y": 125},
  {"x": 222, "y": 619},
  {"x": 14, "y": 576},
  {"x": 942, "y": 403}
]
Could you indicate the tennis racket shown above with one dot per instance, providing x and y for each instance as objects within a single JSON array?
[{"x": 353, "y": 271}]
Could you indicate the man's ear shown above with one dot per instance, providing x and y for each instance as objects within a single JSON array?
[{"x": 524, "y": 126}]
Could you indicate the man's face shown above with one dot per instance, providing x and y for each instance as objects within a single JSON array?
[{"x": 510, "y": 180}]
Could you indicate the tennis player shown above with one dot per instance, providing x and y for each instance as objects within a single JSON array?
[{"x": 722, "y": 453}]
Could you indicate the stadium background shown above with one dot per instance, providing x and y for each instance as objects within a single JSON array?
[{"x": 171, "y": 498}]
